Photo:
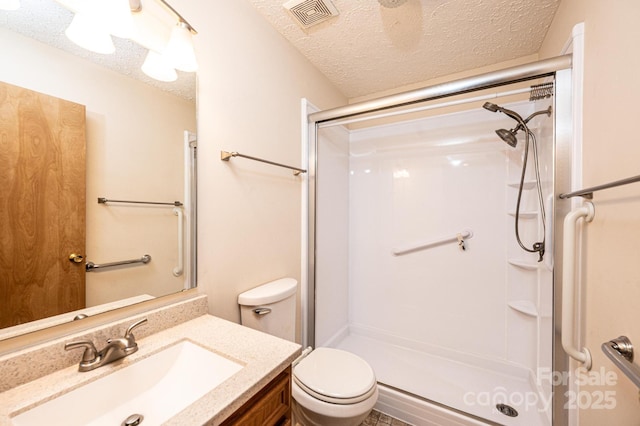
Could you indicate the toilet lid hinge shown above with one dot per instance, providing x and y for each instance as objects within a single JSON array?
[{"x": 302, "y": 356}]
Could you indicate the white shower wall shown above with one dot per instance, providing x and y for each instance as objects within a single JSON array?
[
  {"x": 393, "y": 185},
  {"x": 423, "y": 190}
]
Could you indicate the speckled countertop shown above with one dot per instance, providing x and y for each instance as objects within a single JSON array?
[{"x": 263, "y": 356}]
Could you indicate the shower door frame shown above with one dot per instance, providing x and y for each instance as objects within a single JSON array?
[{"x": 561, "y": 69}]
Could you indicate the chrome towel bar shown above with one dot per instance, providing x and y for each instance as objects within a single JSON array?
[
  {"x": 103, "y": 200},
  {"x": 620, "y": 351},
  {"x": 226, "y": 155},
  {"x": 92, "y": 266},
  {"x": 588, "y": 192}
]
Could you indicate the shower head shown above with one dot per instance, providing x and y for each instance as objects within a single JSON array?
[
  {"x": 495, "y": 108},
  {"x": 509, "y": 136},
  {"x": 491, "y": 107}
]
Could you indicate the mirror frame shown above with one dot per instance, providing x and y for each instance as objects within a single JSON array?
[{"x": 26, "y": 340}]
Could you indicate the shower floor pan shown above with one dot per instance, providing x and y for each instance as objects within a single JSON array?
[{"x": 452, "y": 383}]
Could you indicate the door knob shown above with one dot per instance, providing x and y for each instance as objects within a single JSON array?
[{"x": 76, "y": 258}]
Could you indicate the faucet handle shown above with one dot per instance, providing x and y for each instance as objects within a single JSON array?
[
  {"x": 129, "y": 333},
  {"x": 90, "y": 352}
]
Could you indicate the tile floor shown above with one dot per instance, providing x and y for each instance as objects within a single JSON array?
[{"x": 376, "y": 418}]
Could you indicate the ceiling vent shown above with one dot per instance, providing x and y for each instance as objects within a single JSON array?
[{"x": 307, "y": 13}]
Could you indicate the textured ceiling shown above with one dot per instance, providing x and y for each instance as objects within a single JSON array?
[
  {"x": 368, "y": 48},
  {"x": 46, "y": 20}
]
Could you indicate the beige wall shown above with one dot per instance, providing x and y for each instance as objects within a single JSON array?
[
  {"x": 251, "y": 81},
  {"x": 610, "y": 152}
]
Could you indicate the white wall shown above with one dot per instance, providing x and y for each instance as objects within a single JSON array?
[
  {"x": 250, "y": 84},
  {"x": 134, "y": 151}
]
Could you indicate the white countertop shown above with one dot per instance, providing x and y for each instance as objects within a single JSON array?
[{"x": 263, "y": 357}]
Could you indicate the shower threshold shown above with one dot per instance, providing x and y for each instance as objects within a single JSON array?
[{"x": 466, "y": 388}]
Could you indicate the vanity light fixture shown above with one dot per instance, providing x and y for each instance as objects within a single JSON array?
[
  {"x": 9, "y": 4},
  {"x": 118, "y": 15},
  {"x": 180, "y": 52},
  {"x": 96, "y": 20},
  {"x": 156, "y": 66},
  {"x": 169, "y": 39},
  {"x": 89, "y": 31}
]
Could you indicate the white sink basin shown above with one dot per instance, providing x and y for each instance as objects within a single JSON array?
[{"x": 157, "y": 387}]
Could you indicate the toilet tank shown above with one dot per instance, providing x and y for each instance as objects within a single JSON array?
[{"x": 271, "y": 308}]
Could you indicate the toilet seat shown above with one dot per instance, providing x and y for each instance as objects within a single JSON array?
[{"x": 335, "y": 376}]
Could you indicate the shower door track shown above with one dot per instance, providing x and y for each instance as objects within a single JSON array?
[
  {"x": 384, "y": 388},
  {"x": 488, "y": 80}
]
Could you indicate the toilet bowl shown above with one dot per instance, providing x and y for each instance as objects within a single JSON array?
[
  {"x": 330, "y": 387},
  {"x": 333, "y": 387}
]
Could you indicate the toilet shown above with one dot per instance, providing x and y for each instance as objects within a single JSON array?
[{"x": 330, "y": 387}]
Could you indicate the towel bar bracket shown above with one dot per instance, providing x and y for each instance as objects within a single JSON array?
[
  {"x": 623, "y": 345},
  {"x": 620, "y": 352}
]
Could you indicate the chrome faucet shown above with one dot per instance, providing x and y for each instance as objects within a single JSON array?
[{"x": 115, "y": 349}]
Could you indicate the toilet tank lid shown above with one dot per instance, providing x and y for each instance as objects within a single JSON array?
[{"x": 270, "y": 292}]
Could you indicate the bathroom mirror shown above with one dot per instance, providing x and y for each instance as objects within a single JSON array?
[{"x": 138, "y": 145}]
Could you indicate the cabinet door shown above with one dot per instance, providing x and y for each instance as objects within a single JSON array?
[{"x": 269, "y": 407}]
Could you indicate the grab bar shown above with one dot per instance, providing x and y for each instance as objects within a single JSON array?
[
  {"x": 588, "y": 192},
  {"x": 90, "y": 266},
  {"x": 226, "y": 155},
  {"x": 177, "y": 271},
  {"x": 459, "y": 237},
  {"x": 620, "y": 351},
  {"x": 568, "y": 283},
  {"x": 103, "y": 200}
]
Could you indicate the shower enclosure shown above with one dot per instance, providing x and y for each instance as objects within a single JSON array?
[{"x": 414, "y": 262}]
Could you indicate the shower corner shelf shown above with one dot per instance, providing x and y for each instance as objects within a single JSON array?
[
  {"x": 525, "y": 214},
  {"x": 524, "y": 264},
  {"x": 524, "y": 307},
  {"x": 528, "y": 184}
]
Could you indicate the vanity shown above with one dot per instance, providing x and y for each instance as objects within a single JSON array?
[{"x": 250, "y": 372}]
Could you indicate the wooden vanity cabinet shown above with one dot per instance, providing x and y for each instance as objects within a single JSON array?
[{"x": 271, "y": 406}]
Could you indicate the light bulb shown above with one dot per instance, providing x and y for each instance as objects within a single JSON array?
[
  {"x": 88, "y": 32},
  {"x": 157, "y": 67},
  {"x": 117, "y": 14},
  {"x": 179, "y": 51}
]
